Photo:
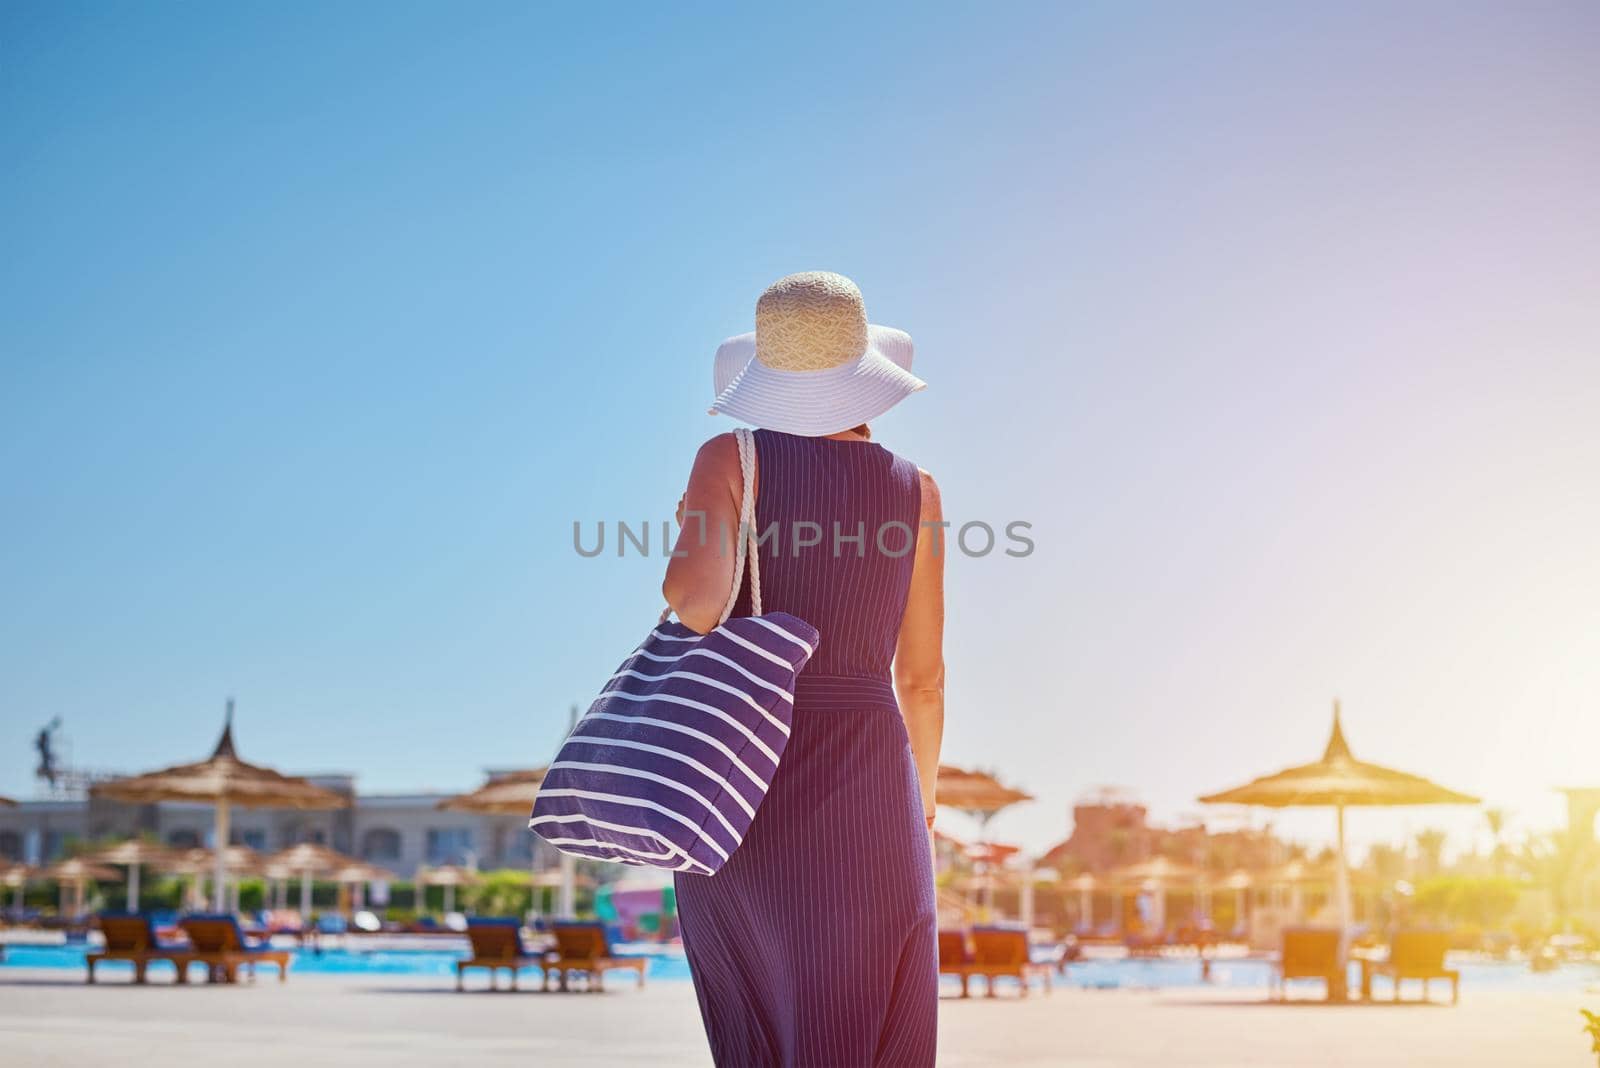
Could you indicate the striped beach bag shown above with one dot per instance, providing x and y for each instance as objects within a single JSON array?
[{"x": 667, "y": 767}]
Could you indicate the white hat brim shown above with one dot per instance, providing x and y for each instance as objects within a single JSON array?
[
  {"x": 817, "y": 403},
  {"x": 734, "y": 354}
]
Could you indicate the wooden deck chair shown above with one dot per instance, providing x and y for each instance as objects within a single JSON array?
[
  {"x": 585, "y": 947},
  {"x": 497, "y": 945},
  {"x": 1004, "y": 951},
  {"x": 132, "y": 937},
  {"x": 218, "y": 942},
  {"x": 1309, "y": 953},
  {"x": 1414, "y": 955}
]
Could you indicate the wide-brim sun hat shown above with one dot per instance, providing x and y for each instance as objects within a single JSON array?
[{"x": 814, "y": 366}]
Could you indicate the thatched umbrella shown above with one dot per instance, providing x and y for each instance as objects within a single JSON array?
[
  {"x": 307, "y": 859},
  {"x": 506, "y": 793},
  {"x": 223, "y": 780},
  {"x": 512, "y": 793},
  {"x": 551, "y": 880},
  {"x": 234, "y": 861},
  {"x": 133, "y": 854},
  {"x": 977, "y": 793},
  {"x": 17, "y": 876},
  {"x": 76, "y": 874},
  {"x": 1239, "y": 881},
  {"x": 448, "y": 876},
  {"x": 980, "y": 795},
  {"x": 358, "y": 873},
  {"x": 1339, "y": 781},
  {"x": 1297, "y": 875},
  {"x": 6, "y": 802},
  {"x": 1158, "y": 874},
  {"x": 1085, "y": 884}
]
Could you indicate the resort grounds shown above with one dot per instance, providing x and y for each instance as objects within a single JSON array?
[{"x": 49, "y": 1016}]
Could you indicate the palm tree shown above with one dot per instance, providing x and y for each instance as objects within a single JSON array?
[
  {"x": 1386, "y": 862},
  {"x": 1496, "y": 819},
  {"x": 1430, "y": 850},
  {"x": 1560, "y": 862}
]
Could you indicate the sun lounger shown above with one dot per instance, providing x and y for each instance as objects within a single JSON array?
[
  {"x": 1413, "y": 955},
  {"x": 1145, "y": 943},
  {"x": 497, "y": 944},
  {"x": 1309, "y": 953},
  {"x": 585, "y": 947},
  {"x": 955, "y": 957},
  {"x": 998, "y": 952},
  {"x": 284, "y": 922},
  {"x": 132, "y": 938},
  {"x": 218, "y": 942}
]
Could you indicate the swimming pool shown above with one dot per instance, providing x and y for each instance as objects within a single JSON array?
[
  {"x": 668, "y": 963},
  {"x": 664, "y": 964}
]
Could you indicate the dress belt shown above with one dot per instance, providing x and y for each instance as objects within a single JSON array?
[{"x": 859, "y": 689}]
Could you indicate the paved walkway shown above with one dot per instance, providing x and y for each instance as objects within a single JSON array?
[{"x": 52, "y": 1018}]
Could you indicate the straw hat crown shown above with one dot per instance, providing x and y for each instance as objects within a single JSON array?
[
  {"x": 813, "y": 366},
  {"x": 811, "y": 321}
]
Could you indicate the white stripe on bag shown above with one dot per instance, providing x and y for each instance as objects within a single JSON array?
[
  {"x": 715, "y": 684},
  {"x": 770, "y": 625},
  {"x": 640, "y": 802},
  {"x": 691, "y": 732},
  {"x": 650, "y": 776},
  {"x": 642, "y": 747},
  {"x": 699, "y": 706},
  {"x": 612, "y": 846},
  {"x": 620, "y": 828},
  {"x": 719, "y": 658},
  {"x": 731, "y": 636},
  {"x": 754, "y": 648},
  {"x": 607, "y": 852}
]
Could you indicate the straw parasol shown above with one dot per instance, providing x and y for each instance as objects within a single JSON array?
[
  {"x": 546, "y": 880},
  {"x": 224, "y": 780},
  {"x": 1239, "y": 881},
  {"x": 448, "y": 876},
  {"x": 77, "y": 873},
  {"x": 512, "y": 793},
  {"x": 133, "y": 854},
  {"x": 307, "y": 859},
  {"x": 358, "y": 873},
  {"x": 1157, "y": 870},
  {"x": 234, "y": 861},
  {"x": 1085, "y": 884},
  {"x": 17, "y": 876},
  {"x": 975, "y": 792},
  {"x": 995, "y": 853},
  {"x": 1339, "y": 781},
  {"x": 6, "y": 802},
  {"x": 981, "y": 796},
  {"x": 1159, "y": 874},
  {"x": 506, "y": 793}
]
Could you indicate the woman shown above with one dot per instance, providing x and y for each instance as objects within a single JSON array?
[{"x": 815, "y": 943}]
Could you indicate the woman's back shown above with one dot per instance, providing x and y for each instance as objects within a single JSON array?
[
  {"x": 838, "y": 526},
  {"x": 814, "y": 945}
]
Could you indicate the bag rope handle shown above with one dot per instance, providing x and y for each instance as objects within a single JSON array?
[
  {"x": 747, "y": 528},
  {"x": 746, "y": 534}
]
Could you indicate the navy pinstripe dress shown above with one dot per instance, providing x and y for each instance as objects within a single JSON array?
[{"x": 815, "y": 944}]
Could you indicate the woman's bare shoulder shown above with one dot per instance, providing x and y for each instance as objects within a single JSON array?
[
  {"x": 932, "y": 506},
  {"x": 718, "y": 456}
]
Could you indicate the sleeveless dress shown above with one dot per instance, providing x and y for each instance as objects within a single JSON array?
[{"x": 815, "y": 943}]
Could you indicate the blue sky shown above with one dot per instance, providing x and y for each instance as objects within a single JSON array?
[{"x": 320, "y": 326}]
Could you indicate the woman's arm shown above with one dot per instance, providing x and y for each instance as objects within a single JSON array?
[
  {"x": 919, "y": 656},
  {"x": 700, "y": 573}
]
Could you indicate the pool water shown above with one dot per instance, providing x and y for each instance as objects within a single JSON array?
[
  {"x": 665, "y": 964},
  {"x": 668, "y": 963}
]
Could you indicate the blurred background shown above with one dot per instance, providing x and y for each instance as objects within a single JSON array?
[{"x": 320, "y": 328}]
